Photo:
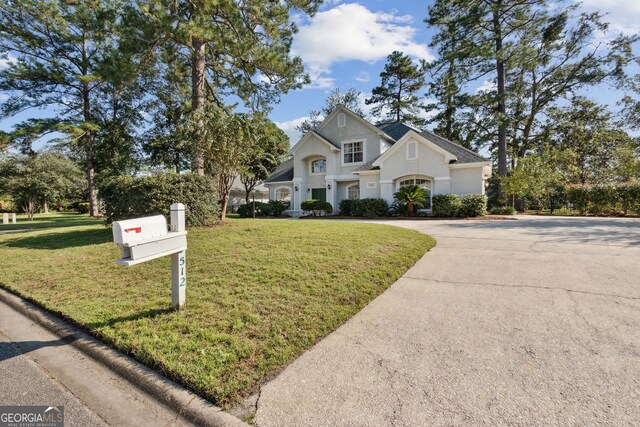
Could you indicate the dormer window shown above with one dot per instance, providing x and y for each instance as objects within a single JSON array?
[
  {"x": 319, "y": 166},
  {"x": 342, "y": 122},
  {"x": 352, "y": 152}
]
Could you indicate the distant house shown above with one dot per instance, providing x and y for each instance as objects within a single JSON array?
[
  {"x": 347, "y": 157},
  {"x": 237, "y": 195}
]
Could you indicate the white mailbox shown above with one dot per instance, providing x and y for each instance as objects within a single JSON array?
[{"x": 144, "y": 239}]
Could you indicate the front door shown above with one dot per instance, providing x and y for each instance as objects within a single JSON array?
[{"x": 319, "y": 194}]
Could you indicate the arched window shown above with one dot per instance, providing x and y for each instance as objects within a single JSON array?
[
  {"x": 420, "y": 182},
  {"x": 283, "y": 194},
  {"x": 353, "y": 192},
  {"x": 319, "y": 166}
]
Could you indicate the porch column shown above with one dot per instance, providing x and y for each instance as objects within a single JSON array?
[
  {"x": 296, "y": 198},
  {"x": 332, "y": 191},
  {"x": 386, "y": 191}
]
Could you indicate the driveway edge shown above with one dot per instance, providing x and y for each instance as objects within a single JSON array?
[{"x": 178, "y": 399}]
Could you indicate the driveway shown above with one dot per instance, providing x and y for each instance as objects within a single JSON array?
[{"x": 527, "y": 322}]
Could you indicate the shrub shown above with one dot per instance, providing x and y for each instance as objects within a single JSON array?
[
  {"x": 130, "y": 197},
  {"x": 316, "y": 207},
  {"x": 413, "y": 196},
  {"x": 629, "y": 197},
  {"x": 502, "y": 210},
  {"x": 369, "y": 208},
  {"x": 602, "y": 199},
  {"x": 345, "y": 207},
  {"x": 446, "y": 205},
  {"x": 277, "y": 207},
  {"x": 473, "y": 205},
  {"x": 578, "y": 195},
  {"x": 246, "y": 210},
  {"x": 83, "y": 207}
]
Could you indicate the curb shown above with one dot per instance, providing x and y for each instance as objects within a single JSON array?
[{"x": 178, "y": 399}]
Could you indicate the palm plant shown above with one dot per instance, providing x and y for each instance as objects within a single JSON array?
[{"x": 412, "y": 196}]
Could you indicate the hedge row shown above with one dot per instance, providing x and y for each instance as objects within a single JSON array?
[
  {"x": 605, "y": 199},
  {"x": 273, "y": 208},
  {"x": 130, "y": 197},
  {"x": 369, "y": 208},
  {"x": 451, "y": 205}
]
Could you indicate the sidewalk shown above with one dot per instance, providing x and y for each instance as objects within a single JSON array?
[{"x": 38, "y": 367}]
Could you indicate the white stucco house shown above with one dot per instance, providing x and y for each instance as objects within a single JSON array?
[{"x": 347, "y": 157}]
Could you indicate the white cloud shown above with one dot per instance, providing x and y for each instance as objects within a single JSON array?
[
  {"x": 486, "y": 86},
  {"x": 289, "y": 128},
  {"x": 362, "y": 77},
  {"x": 5, "y": 62},
  {"x": 351, "y": 32},
  {"x": 623, "y": 15}
]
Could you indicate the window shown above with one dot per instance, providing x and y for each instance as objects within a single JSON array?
[
  {"x": 319, "y": 166},
  {"x": 412, "y": 150},
  {"x": 424, "y": 183},
  {"x": 341, "y": 120},
  {"x": 353, "y": 152},
  {"x": 283, "y": 194},
  {"x": 353, "y": 192}
]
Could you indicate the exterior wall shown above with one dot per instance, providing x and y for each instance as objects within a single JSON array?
[
  {"x": 467, "y": 181},
  {"x": 311, "y": 148},
  {"x": 365, "y": 191},
  {"x": 353, "y": 130}
]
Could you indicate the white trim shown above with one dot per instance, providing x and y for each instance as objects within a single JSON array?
[
  {"x": 342, "y": 177},
  {"x": 296, "y": 180},
  {"x": 415, "y": 148},
  {"x": 387, "y": 181},
  {"x": 363, "y": 141},
  {"x": 469, "y": 165},
  {"x": 267, "y": 184},
  {"x": 367, "y": 172},
  {"x": 412, "y": 134},
  {"x": 442, "y": 178},
  {"x": 372, "y": 184},
  {"x": 275, "y": 192}
]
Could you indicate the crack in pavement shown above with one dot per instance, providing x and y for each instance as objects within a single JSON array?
[{"x": 504, "y": 285}]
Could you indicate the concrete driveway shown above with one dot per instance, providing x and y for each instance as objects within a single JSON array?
[{"x": 527, "y": 322}]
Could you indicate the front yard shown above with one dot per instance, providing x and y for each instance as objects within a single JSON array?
[{"x": 259, "y": 293}]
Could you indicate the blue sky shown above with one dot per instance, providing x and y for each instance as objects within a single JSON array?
[{"x": 346, "y": 43}]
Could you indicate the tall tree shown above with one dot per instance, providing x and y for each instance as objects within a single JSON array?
[
  {"x": 60, "y": 48},
  {"x": 235, "y": 48},
  {"x": 397, "y": 95},
  {"x": 268, "y": 147},
  {"x": 349, "y": 99},
  {"x": 597, "y": 148}
]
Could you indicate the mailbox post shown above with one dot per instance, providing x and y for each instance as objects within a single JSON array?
[
  {"x": 13, "y": 217},
  {"x": 178, "y": 260},
  {"x": 144, "y": 239},
  {"x": 5, "y": 218}
]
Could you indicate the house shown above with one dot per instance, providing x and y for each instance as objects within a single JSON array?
[
  {"x": 237, "y": 195},
  {"x": 347, "y": 157}
]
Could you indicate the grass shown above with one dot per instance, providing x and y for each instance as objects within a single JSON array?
[{"x": 259, "y": 293}]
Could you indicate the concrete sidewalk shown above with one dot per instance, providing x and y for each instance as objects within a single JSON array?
[
  {"x": 528, "y": 322},
  {"x": 39, "y": 367}
]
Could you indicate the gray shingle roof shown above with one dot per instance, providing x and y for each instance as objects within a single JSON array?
[
  {"x": 284, "y": 172},
  {"x": 464, "y": 155},
  {"x": 395, "y": 130}
]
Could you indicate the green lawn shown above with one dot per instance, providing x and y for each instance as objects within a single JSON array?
[{"x": 259, "y": 292}]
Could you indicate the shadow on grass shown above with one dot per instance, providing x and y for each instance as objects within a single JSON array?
[
  {"x": 147, "y": 314},
  {"x": 62, "y": 240},
  {"x": 17, "y": 348}
]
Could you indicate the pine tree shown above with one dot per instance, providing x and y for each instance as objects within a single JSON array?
[{"x": 397, "y": 95}]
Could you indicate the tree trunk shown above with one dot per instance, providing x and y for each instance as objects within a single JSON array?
[
  {"x": 88, "y": 136},
  {"x": 410, "y": 208},
  {"x": 501, "y": 107},
  {"x": 198, "y": 101},
  {"x": 45, "y": 205}
]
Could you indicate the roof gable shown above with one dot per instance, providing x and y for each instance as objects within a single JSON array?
[
  {"x": 413, "y": 134},
  {"x": 332, "y": 145},
  {"x": 343, "y": 109}
]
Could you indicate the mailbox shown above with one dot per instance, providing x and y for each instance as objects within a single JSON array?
[{"x": 144, "y": 239}]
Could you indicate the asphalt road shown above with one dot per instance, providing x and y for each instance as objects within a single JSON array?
[{"x": 527, "y": 322}]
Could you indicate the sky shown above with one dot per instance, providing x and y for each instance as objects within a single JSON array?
[{"x": 346, "y": 44}]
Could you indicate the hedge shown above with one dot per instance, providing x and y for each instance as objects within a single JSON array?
[
  {"x": 273, "y": 208},
  {"x": 605, "y": 199},
  {"x": 316, "y": 207},
  {"x": 502, "y": 210},
  {"x": 130, "y": 197},
  {"x": 450, "y": 205}
]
